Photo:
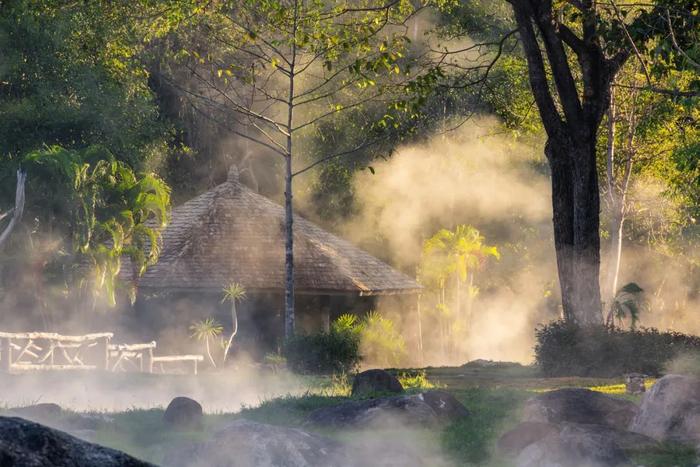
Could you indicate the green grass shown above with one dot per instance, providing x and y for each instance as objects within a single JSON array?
[
  {"x": 471, "y": 440},
  {"x": 666, "y": 455},
  {"x": 494, "y": 395}
]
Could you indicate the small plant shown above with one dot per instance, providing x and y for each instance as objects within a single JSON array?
[
  {"x": 380, "y": 341},
  {"x": 275, "y": 361},
  {"x": 415, "y": 380},
  {"x": 628, "y": 303},
  {"x": 235, "y": 292},
  {"x": 206, "y": 330}
]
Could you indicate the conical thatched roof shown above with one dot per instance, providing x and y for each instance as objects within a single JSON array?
[{"x": 232, "y": 234}]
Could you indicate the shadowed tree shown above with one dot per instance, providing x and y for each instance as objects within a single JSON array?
[{"x": 574, "y": 49}]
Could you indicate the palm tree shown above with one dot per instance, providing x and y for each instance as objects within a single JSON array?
[
  {"x": 459, "y": 254},
  {"x": 233, "y": 293},
  {"x": 203, "y": 331},
  {"x": 462, "y": 253}
]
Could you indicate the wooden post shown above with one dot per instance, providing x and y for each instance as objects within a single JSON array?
[
  {"x": 325, "y": 305},
  {"x": 420, "y": 329},
  {"x": 195, "y": 366},
  {"x": 147, "y": 361},
  {"x": 102, "y": 350},
  {"x": 6, "y": 349}
]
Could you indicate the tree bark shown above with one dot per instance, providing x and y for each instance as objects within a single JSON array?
[
  {"x": 19, "y": 207},
  {"x": 575, "y": 218},
  {"x": 288, "y": 253}
]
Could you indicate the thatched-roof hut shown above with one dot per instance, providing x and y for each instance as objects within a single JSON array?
[{"x": 232, "y": 234}]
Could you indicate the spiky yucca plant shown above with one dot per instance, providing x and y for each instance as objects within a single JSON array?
[
  {"x": 235, "y": 292},
  {"x": 204, "y": 330}
]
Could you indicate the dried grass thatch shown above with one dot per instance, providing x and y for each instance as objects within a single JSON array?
[{"x": 232, "y": 234}]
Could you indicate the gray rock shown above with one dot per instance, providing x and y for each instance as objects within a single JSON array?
[
  {"x": 428, "y": 408},
  {"x": 579, "y": 406},
  {"x": 375, "y": 381},
  {"x": 670, "y": 410},
  {"x": 444, "y": 404},
  {"x": 43, "y": 411},
  {"x": 183, "y": 413},
  {"x": 574, "y": 445},
  {"x": 513, "y": 442},
  {"x": 245, "y": 443},
  {"x": 28, "y": 444}
]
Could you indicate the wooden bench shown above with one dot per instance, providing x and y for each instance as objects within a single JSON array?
[
  {"x": 138, "y": 356},
  {"x": 35, "y": 351},
  {"x": 195, "y": 359},
  {"x": 51, "y": 351}
]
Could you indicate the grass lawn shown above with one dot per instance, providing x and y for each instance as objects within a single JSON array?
[{"x": 493, "y": 394}]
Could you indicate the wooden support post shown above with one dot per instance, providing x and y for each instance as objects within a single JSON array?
[
  {"x": 147, "y": 361},
  {"x": 325, "y": 306},
  {"x": 419, "y": 320},
  {"x": 195, "y": 366},
  {"x": 102, "y": 351},
  {"x": 6, "y": 357}
]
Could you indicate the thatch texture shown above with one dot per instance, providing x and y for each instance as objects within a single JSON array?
[{"x": 232, "y": 234}]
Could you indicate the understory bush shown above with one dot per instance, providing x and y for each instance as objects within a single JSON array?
[
  {"x": 565, "y": 349},
  {"x": 337, "y": 351},
  {"x": 372, "y": 339}
]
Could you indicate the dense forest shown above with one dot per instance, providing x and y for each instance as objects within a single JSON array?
[{"x": 442, "y": 137}]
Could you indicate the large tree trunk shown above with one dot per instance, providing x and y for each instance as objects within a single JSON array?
[{"x": 575, "y": 208}]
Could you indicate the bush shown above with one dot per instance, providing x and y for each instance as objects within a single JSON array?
[
  {"x": 564, "y": 349},
  {"x": 331, "y": 352}
]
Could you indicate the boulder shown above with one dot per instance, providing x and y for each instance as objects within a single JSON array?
[
  {"x": 29, "y": 444},
  {"x": 375, "y": 381},
  {"x": 513, "y": 442},
  {"x": 245, "y": 443},
  {"x": 670, "y": 410},
  {"x": 428, "y": 408},
  {"x": 579, "y": 406},
  {"x": 444, "y": 404},
  {"x": 183, "y": 413},
  {"x": 523, "y": 435},
  {"x": 43, "y": 411},
  {"x": 574, "y": 445}
]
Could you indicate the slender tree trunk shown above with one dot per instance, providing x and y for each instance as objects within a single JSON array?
[
  {"x": 470, "y": 297},
  {"x": 234, "y": 329},
  {"x": 289, "y": 251},
  {"x": 288, "y": 211},
  {"x": 616, "y": 219},
  {"x": 18, "y": 209},
  {"x": 208, "y": 350}
]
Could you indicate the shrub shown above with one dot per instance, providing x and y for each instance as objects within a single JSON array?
[
  {"x": 337, "y": 351},
  {"x": 380, "y": 342},
  {"x": 564, "y": 349}
]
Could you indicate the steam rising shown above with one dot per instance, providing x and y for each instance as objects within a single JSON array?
[{"x": 474, "y": 176}]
